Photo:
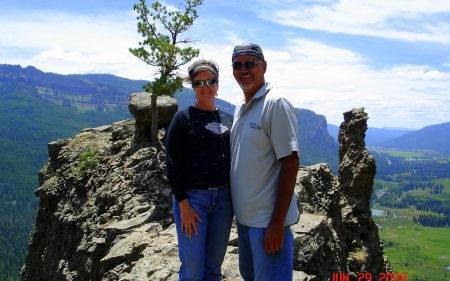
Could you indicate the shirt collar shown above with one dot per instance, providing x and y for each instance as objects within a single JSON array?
[
  {"x": 260, "y": 93},
  {"x": 263, "y": 90}
]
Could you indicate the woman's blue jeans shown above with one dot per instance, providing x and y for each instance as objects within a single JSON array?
[
  {"x": 255, "y": 264},
  {"x": 202, "y": 255}
]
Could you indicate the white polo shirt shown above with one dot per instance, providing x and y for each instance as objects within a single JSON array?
[{"x": 263, "y": 131}]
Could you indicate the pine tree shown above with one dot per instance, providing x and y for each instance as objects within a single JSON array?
[{"x": 161, "y": 49}]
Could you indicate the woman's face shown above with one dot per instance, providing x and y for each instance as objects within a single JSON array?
[{"x": 205, "y": 93}]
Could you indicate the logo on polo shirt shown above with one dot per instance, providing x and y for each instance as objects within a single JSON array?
[
  {"x": 255, "y": 126},
  {"x": 217, "y": 128}
]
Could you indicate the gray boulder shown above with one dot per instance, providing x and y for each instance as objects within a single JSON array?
[{"x": 140, "y": 108}]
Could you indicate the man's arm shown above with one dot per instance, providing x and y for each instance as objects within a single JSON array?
[{"x": 274, "y": 237}]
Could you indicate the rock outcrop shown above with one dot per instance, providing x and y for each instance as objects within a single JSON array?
[
  {"x": 348, "y": 240},
  {"x": 141, "y": 109},
  {"x": 105, "y": 212}
]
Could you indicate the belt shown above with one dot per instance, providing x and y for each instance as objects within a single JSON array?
[{"x": 225, "y": 185}]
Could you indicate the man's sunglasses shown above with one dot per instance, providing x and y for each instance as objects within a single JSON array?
[
  {"x": 201, "y": 83},
  {"x": 250, "y": 64}
]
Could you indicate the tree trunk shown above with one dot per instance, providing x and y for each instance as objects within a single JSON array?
[{"x": 155, "y": 122}]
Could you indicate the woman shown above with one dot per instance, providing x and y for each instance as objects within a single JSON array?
[{"x": 198, "y": 169}]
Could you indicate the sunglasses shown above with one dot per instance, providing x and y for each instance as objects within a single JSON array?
[
  {"x": 201, "y": 83},
  {"x": 250, "y": 64}
]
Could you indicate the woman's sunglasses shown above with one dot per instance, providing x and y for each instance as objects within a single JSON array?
[
  {"x": 250, "y": 64},
  {"x": 201, "y": 83}
]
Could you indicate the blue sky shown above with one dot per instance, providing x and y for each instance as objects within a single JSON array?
[{"x": 391, "y": 57}]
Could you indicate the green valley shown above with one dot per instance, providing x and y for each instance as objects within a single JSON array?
[
  {"x": 422, "y": 252},
  {"x": 415, "y": 224}
]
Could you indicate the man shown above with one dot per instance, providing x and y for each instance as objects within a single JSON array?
[{"x": 264, "y": 167}]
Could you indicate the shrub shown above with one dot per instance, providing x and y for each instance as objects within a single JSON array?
[{"x": 87, "y": 161}]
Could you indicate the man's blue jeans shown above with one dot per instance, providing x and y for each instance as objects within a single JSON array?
[
  {"x": 202, "y": 255},
  {"x": 256, "y": 264}
]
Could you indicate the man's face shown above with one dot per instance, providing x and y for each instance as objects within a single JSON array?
[{"x": 250, "y": 80}]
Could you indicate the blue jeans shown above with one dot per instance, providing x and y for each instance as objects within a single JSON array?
[
  {"x": 202, "y": 255},
  {"x": 256, "y": 264}
]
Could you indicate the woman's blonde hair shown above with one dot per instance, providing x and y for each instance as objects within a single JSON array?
[{"x": 201, "y": 65}]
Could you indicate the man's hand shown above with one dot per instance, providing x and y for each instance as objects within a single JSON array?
[{"x": 274, "y": 238}]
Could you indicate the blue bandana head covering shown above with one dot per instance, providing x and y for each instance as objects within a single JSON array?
[{"x": 247, "y": 49}]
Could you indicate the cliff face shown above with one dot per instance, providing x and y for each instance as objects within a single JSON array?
[
  {"x": 316, "y": 144},
  {"x": 106, "y": 212}
]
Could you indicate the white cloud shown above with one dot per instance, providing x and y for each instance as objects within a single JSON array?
[
  {"x": 58, "y": 53},
  {"x": 404, "y": 19},
  {"x": 313, "y": 75},
  {"x": 65, "y": 43},
  {"x": 416, "y": 72},
  {"x": 318, "y": 52},
  {"x": 103, "y": 58},
  {"x": 73, "y": 32},
  {"x": 346, "y": 88},
  {"x": 315, "y": 79},
  {"x": 277, "y": 56}
]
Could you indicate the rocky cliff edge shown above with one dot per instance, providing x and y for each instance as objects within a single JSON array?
[{"x": 105, "y": 212}]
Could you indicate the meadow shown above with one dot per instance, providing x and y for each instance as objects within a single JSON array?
[
  {"x": 445, "y": 195},
  {"x": 422, "y": 252},
  {"x": 414, "y": 154},
  {"x": 399, "y": 153}
]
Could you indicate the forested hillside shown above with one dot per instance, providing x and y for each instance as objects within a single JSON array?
[
  {"x": 316, "y": 144},
  {"x": 37, "y": 108},
  {"x": 28, "y": 124},
  {"x": 412, "y": 182}
]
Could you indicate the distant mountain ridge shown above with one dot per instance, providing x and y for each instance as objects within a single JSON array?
[
  {"x": 374, "y": 136},
  {"x": 434, "y": 137},
  {"x": 109, "y": 93},
  {"x": 89, "y": 91}
]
